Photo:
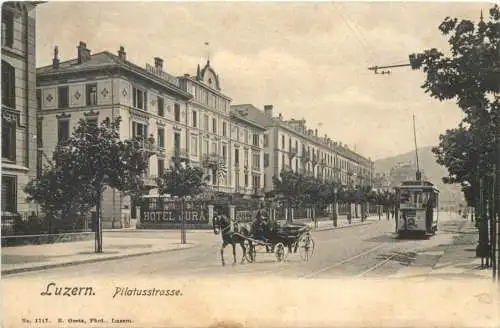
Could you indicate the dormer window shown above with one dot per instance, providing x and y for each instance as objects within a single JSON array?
[{"x": 210, "y": 82}]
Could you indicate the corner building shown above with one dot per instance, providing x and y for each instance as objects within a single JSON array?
[
  {"x": 19, "y": 124},
  {"x": 289, "y": 144},
  {"x": 150, "y": 102}
]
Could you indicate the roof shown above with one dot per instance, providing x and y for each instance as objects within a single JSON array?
[
  {"x": 257, "y": 115},
  {"x": 253, "y": 114},
  {"x": 245, "y": 116},
  {"x": 105, "y": 59}
]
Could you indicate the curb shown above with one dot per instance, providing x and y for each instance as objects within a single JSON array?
[
  {"x": 344, "y": 227},
  {"x": 94, "y": 260}
]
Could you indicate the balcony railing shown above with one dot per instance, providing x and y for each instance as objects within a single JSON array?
[
  {"x": 149, "y": 180},
  {"x": 181, "y": 153},
  {"x": 211, "y": 160},
  {"x": 292, "y": 152}
]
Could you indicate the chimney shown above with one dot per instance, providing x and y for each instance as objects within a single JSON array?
[
  {"x": 280, "y": 117},
  {"x": 159, "y": 63},
  {"x": 83, "y": 52},
  {"x": 55, "y": 60},
  {"x": 268, "y": 110},
  {"x": 122, "y": 54},
  {"x": 315, "y": 132}
]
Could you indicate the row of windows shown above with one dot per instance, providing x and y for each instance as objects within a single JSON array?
[
  {"x": 255, "y": 158},
  {"x": 329, "y": 159},
  {"x": 210, "y": 99}
]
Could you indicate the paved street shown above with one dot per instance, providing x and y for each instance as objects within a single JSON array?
[{"x": 360, "y": 251}]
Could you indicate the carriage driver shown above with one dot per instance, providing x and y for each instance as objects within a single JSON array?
[{"x": 258, "y": 225}]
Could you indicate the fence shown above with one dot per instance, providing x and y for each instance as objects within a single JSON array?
[{"x": 32, "y": 223}]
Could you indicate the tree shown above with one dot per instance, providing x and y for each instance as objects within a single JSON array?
[
  {"x": 90, "y": 160},
  {"x": 469, "y": 75},
  {"x": 182, "y": 180},
  {"x": 290, "y": 185}
]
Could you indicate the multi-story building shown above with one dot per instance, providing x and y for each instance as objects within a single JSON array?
[
  {"x": 150, "y": 102},
  {"x": 291, "y": 145},
  {"x": 19, "y": 144},
  {"x": 247, "y": 142},
  {"x": 209, "y": 126}
]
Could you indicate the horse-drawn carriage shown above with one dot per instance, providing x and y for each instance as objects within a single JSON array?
[
  {"x": 283, "y": 240},
  {"x": 278, "y": 239}
]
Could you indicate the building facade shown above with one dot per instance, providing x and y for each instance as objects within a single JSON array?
[
  {"x": 188, "y": 117},
  {"x": 209, "y": 126},
  {"x": 96, "y": 86},
  {"x": 247, "y": 144},
  {"x": 291, "y": 145},
  {"x": 19, "y": 144}
]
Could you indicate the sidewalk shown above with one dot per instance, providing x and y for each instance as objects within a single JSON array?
[
  {"x": 327, "y": 223},
  {"x": 456, "y": 260},
  {"x": 39, "y": 257}
]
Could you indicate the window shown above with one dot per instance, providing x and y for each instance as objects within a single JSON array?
[
  {"x": 256, "y": 182},
  {"x": 62, "y": 130},
  {"x": 246, "y": 180},
  {"x": 214, "y": 147},
  {"x": 177, "y": 142},
  {"x": 139, "y": 130},
  {"x": 177, "y": 112},
  {"x": 246, "y": 157},
  {"x": 205, "y": 147},
  {"x": 194, "y": 145},
  {"x": 91, "y": 90},
  {"x": 8, "y": 85},
  {"x": 289, "y": 144},
  {"x": 195, "y": 119},
  {"x": 255, "y": 139},
  {"x": 266, "y": 160},
  {"x": 205, "y": 122},
  {"x": 214, "y": 125},
  {"x": 238, "y": 133},
  {"x": 7, "y": 28},
  {"x": 266, "y": 140},
  {"x": 256, "y": 160},
  {"x": 38, "y": 99},
  {"x": 236, "y": 157},
  {"x": 9, "y": 193},
  {"x": 246, "y": 136},
  {"x": 161, "y": 166},
  {"x": 224, "y": 129},
  {"x": 283, "y": 142},
  {"x": 224, "y": 152},
  {"x": 161, "y": 107},
  {"x": 139, "y": 98},
  {"x": 161, "y": 137},
  {"x": 9, "y": 139},
  {"x": 63, "y": 96}
]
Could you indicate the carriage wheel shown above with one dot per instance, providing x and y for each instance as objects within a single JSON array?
[
  {"x": 250, "y": 252},
  {"x": 280, "y": 252},
  {"x": 306, "y": 247}
]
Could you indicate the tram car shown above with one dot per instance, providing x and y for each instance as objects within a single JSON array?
[{"x": 417, "y": 208}]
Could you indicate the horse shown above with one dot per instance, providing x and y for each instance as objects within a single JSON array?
[{"x": 223, "y": 225}]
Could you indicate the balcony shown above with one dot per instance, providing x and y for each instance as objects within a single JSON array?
[
  {"x": 212, "y": 160},
  {"x": 181, "y": 154},
  {"x": 256, "y": 169},
  {"x": 292, "y": 152}
]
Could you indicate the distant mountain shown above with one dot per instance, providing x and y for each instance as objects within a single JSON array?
[{"x": 431, "y": 171}]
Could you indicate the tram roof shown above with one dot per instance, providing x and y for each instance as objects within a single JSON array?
[{"x": 417, "y": 184}]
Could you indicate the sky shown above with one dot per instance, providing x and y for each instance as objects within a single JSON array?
[{"x": 309, "y": 59}]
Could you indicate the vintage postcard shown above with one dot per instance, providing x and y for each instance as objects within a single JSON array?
[{"x": 250, "y": 164}]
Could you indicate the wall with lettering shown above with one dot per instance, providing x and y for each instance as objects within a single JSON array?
[{"x": 161, "y": 213}]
